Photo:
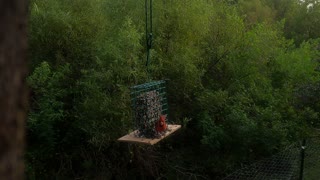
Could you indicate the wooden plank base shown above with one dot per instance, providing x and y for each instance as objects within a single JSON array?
[{"x": 131, "y": 138}]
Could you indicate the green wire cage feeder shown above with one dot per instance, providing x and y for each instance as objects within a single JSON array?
[
  {"x": 149, "y": 103},
  {"x": 150, "y": 114}
]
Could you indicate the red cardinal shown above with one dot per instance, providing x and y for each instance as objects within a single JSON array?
[{"x": 161, "y": 124}]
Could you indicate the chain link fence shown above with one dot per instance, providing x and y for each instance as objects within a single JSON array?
[
  {"x": 298, "y": 161},
  {"x": 311, "y": 170}
]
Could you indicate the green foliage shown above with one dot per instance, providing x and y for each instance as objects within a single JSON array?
[
  {"x": 302, "y": 20},
  {"x": 240, "y": 87},
  {"x": 256, "y": 11},
  {"x": 45, "y": 123},
  {"x": 49, "y": 90}
]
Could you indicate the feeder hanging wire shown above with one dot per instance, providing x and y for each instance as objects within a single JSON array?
[{"x": 149, "y": 27}]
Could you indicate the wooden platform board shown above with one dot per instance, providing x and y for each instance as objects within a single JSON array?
[{"x": 131, "y": 138}]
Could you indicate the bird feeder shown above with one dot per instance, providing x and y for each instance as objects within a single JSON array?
[
  {"x": 149, "y": 103},
  {"x": 150, "y": 114}
]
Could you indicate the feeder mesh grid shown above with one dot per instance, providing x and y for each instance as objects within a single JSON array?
[{"x": 149, "y": 102}]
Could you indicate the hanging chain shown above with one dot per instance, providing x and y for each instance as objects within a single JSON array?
[{"x": 149, "y": 37}]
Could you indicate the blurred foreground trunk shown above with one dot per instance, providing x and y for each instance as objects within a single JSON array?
[{"x": 13, "y": 92}]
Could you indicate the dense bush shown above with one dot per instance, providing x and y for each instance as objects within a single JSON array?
[{"x": 241, "y": 88}]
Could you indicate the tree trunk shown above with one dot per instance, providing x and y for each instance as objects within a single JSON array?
[{"x": 13, "y": 93}]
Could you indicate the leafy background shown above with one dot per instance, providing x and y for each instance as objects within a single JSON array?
[{"x": 243, "y": 82}]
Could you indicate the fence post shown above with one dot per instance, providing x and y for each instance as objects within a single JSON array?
[{"x": 302, "y": 154}]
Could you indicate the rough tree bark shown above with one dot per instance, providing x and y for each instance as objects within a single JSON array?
[{"x": 13, "y": 93}]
